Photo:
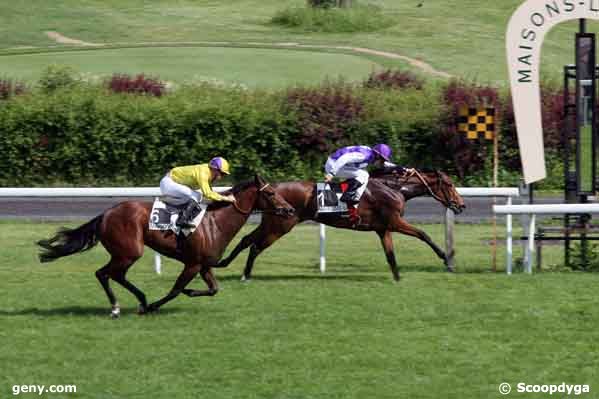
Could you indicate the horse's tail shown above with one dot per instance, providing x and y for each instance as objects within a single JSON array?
[{"x": 70, "y": 241}]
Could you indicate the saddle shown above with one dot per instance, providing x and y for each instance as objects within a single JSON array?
[
  {"x": 328, "y": 197},
  {"x": 164, "y": 217}
]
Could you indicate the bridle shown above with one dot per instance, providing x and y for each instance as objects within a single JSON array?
[
  {"x": 276, "y": 211},
  {"x": 445, "y": 200}
]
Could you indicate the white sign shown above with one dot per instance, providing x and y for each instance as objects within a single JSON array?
[{"x": 525, "y": 34}]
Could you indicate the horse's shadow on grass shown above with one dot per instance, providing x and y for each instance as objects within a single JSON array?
[
  {"x": 81, "y": 311},
  {"x": 354, "y": 273},
  {"x": 304, "y": 277}
]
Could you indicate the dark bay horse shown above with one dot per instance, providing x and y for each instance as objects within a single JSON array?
[
  {"x": 381, "y": 210},
  {"x": 123, "y": 231}
]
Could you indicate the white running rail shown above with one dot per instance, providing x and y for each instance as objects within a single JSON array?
[
  {"x": 90, "y": 192},
  {"x": 147, "y": 192},
  {"x": 540, "y": 209}
]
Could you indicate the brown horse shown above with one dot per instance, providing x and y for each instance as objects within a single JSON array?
[
  {"x": 381, "y": 210},
  {"x": 123, "y": 231}
]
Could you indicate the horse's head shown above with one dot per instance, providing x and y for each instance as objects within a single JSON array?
[
  {"x": 444, "y": 191},
  {"x": 413, "y": 183},
  {"x": 269, "y": 200}
]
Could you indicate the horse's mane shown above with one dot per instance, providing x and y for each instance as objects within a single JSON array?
[{"x": 233, "y": 190}]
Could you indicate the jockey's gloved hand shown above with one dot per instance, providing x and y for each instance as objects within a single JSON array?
[
  {"x": 402, "y": 170},
  {"x": 328, "y": 177}
]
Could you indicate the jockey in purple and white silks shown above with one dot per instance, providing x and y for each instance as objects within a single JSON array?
[{"x": 351, "y": 163}]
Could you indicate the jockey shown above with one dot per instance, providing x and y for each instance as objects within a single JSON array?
[
  {"x": 190, "y": 184},
  {"x": 350, "y": 163}
]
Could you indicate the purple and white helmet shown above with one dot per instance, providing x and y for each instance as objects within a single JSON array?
[{"x": 383, "y": 150}]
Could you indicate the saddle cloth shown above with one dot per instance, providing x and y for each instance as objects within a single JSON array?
[
  {"x": 327, "y": 197},
  {"x": 164, "y": 217}
]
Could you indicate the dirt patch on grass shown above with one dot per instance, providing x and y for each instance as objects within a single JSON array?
[{"x": 58, "y": 38}]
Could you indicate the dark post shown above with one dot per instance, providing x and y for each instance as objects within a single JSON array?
[
  {"x": 586, "y": 103},
  {"x": 579, "y": 138}
]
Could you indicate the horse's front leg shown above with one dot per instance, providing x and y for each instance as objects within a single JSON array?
[
  {"x": 188, "y": 273},
  {"x": 243, "y": 244},
  {"x": 401, "y": 226},
  {"x": 210, "y": 281},
  {"x": 387, "y": 242}
]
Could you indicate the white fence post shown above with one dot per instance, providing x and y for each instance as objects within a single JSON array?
[
  {"x": 509, "y": 242},
  {"x": 157, "y": 259},
  {"x": 531, "y": 243},
  {"x": 449, "y": 226},
  {"x": 323, "y": 259},
  {"x": 157, "y": 263}
]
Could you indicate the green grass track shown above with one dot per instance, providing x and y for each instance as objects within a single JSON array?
[{"x": 293, "y": 333}]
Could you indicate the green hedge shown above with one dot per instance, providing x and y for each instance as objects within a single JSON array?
[{"x": 85, "y": 135}]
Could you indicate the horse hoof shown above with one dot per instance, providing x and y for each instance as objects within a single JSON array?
[
  {"x": 245, "y": 279},
  {"x": 141, "y": 310},
  {"x": 150, "y": 309},
  {"x": 115, "y": 313}
]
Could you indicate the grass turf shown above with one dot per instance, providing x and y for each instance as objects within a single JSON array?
[
  {"x": 292, "y": 333},
  {"x": 249, "y": 66},
  {"x": 460, "y": 37}
]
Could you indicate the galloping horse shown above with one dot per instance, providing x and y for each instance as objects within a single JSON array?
[
  {"x": 123, "y": 231},
  {"x": 381, "y": 210}
]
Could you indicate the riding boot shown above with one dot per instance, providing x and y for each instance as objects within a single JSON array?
[
  {"x": 350, "y": 196},
  {"x": 189, "y": 213}
]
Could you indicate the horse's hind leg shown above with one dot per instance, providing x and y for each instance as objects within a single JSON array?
[
  {"x": 210, "y": 281},
  {"x": 116, "y": 270},
  {"x": 188, "y": 273},
  {"x": 103, "y": 277},
  {"x": 387, "y": 242},
  {"x": 119, "y": 277},
  {"x": 401, "y": 226}
]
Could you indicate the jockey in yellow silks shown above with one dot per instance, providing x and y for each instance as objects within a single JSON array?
[{"x": 190, "y": 184}]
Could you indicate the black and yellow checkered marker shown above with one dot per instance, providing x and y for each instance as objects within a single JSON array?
[{"x": 477, "y": 123}]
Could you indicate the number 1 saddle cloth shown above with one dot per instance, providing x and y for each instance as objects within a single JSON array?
[{"x": 328, "y": 195}]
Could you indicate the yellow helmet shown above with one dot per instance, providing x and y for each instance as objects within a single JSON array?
[{"x": 220, "y": 164}]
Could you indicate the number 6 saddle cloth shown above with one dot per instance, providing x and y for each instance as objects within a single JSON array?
[{"x": 164, "y": 217}]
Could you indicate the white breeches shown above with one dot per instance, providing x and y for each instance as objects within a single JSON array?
[
  {"x": 350, "y": 172},
  {"x": 178, "y": 194}
]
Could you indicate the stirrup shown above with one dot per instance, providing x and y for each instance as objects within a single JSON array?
[
  {"x": 185, "y": 225},
  {"x": 186, "y": 217}
]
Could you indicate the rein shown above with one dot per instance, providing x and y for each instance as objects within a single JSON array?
[
  {"x": 428, "y": 187},
  {"x": 241, "y": 210},
  {"x": 250, "y": 210}
]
